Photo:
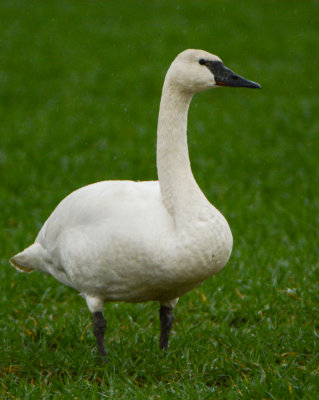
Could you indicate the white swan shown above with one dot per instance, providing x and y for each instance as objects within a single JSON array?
[{"x": 140, "y": 241}]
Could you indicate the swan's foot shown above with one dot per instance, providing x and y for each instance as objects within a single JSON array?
[
  {"x": 166, "y": 320},
  {"x": 99, "y": 326}
]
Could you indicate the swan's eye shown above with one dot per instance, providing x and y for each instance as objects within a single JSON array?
[{"x": 202, "y": 61}]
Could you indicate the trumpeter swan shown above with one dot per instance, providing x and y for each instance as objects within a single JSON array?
[{"x": 141, "y": 241}]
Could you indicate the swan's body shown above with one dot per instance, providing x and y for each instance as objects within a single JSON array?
[
  {"x": 116, "y": 241},
  {"x": 141, "y": 241}
]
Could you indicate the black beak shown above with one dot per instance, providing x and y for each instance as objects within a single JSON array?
[{"x": 225, "y": 77}]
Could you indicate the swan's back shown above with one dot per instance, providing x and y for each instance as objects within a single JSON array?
[{"x": 111, "y": 204}]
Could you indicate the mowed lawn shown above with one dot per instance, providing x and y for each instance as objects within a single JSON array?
[{"x": 80, "y": 84}]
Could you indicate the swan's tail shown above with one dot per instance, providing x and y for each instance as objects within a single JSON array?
[{"x": 34, "y": 257}]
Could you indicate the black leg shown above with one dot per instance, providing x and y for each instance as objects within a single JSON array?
[
  {"x": 166, "y": 319},
  {"x": 99, "y": 326}
]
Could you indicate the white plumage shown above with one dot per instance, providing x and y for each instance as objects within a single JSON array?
[{"x": 140, "y": 241}]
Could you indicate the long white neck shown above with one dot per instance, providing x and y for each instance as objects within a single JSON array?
[{"x": 179, "y": 190}]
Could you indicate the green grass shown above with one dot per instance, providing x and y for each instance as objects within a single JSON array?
[{"x": 80, "y": 84}]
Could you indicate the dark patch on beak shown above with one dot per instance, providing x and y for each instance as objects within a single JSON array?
[{"x": 225, "y": 77}]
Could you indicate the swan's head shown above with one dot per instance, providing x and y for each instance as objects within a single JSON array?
[{"x": 196, "y": 70}]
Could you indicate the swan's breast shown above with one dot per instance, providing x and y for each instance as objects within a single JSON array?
[{"x": 204, "y": 244}]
